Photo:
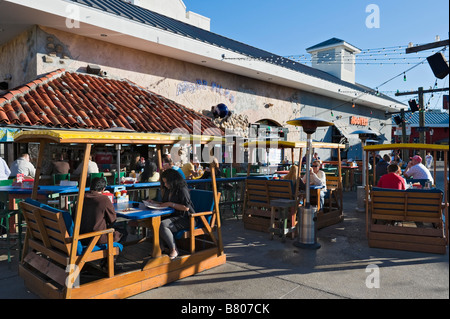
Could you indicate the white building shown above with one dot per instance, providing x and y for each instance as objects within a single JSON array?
[{"x": 163, "y": 47}]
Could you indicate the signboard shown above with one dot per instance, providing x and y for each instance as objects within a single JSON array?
[
  {"x": 422, "y": 129},
  {"x": 7, "y": 134},
  {"x": 398, "y": 130},
  {"x": 354, "y": 120},
  {"x": 103, "y": 158}
]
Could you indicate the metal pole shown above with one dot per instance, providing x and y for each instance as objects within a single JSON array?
[
  {"x": 308, "y": 165},
  {"x": 404, "y": 154},
  {"x": 118, "y": 147},
  {"x": 307, "y": 218},
  {"x": 421, "y": 121},
  {"x": 364, "y": 163}
]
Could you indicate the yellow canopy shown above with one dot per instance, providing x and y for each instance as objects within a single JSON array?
[
  {"x": 286, "y": 144},
  {"x": 382, "y": 147},
  {"x": 105, "y": 137}
]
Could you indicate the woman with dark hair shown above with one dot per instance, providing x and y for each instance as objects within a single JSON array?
[
  {"x": 175, "y": 194},
  {"x": 148, "y": 176}
]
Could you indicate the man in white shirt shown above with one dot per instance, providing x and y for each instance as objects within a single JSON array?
[
  {"x": 4, "y": 170},
  {"x": 417, "y": 170},
  {"x": 92, "y": 167},
  {"x": 22, "y": 165}
]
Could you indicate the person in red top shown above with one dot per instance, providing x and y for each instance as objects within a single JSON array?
[{"x": 392, "y": 179}]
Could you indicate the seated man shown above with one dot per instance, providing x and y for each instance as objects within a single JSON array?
[
  {"x": 317, "y": 178},
  {"x": 189, "y": 168},
  {"x": 60, "y": 166},
  {"x": 23, "y": 166},
  {"x": 417, "y": 170},
  {"x": 167, "y": 163},
  {"x": 392, "y": 179},
  {"x": 98, "y": 213},
  {"x": 92, "y": 167},
  {"x": 382, "y": 165}
]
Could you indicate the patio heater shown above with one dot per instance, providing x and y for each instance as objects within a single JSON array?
[
  {"x": 307, "y": 214},
  {"x": 364, "y": 136}
]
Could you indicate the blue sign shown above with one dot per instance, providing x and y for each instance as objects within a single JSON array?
[{"x": 7, "y": 134}]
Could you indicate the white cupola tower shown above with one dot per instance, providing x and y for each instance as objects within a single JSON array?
[{"x": 336, "y": 57}]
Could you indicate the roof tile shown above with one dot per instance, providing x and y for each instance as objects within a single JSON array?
[{"x": 76, "y": 100}]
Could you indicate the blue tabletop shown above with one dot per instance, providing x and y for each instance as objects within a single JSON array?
[
  {"x": 44, "y": 189},
  {"x": 126, "y": 210}
]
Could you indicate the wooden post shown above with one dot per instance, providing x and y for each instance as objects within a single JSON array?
[
  {"x": 160, "y": 167},
  {"x": 340, "y": 180},
  {"x": 37, "y": 176},
  {"x": 42, "y": 146},
  {"x": 216, "y": 208},
  {"x": 249, "y": 160},
  {"x": 374, "y": 166},
  {"x": 367, "y": 197},
  {"x": 434, "y": 164},
  {"x": 77, "y": 222},
  {"x": 340, "y": 167},
  {"x": 445, "y": 191},
  {"x": 159, "y": 155}
]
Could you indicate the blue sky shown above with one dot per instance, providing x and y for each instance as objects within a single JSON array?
[{"x": 288, "y": 27}]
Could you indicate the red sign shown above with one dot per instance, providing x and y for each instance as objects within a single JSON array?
[
  {"x": 359, "y": 121},
  {"x": 103, "y": 158}
]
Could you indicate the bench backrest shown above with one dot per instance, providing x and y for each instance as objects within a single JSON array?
[
  {"x": 409, "y": 205},
  {"x": 203, "y": 201},
  {"x": 51, "y": 226},
  {"x": 261, "y": 192},
  {"x": 333, "y": 182}
]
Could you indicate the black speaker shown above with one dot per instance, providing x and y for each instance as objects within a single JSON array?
[
  {"x": 398, "y": 120},
  {"x": 413, "y": 105},
  {"x": 439, "y": 65}
]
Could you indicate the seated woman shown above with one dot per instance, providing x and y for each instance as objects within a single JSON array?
[
  {"x": 150, "y": 175},
  {"x": 292, "y": 175},
  {"x": 392, "y": 179},
  {"x": 317, "y": 178},
  {"x": 175, "y": 194}
]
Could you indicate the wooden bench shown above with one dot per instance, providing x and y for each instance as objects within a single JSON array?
[
  {"x": 332, "y": 210},
  {"x": 202, "y": 223},
  {"x": 48, "y": 246},
  {"x": 257, "y": 210},
  {"x": 407, "y": 220}
]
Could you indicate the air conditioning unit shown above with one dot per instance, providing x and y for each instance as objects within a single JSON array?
[{"x": 93, "y": 69}]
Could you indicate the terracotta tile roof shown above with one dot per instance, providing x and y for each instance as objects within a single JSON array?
[{"x": 76, "y": 100}]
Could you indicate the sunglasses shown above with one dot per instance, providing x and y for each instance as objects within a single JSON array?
[{"x": 315, "y": 166}]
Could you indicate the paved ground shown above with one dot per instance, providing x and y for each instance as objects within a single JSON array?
[{"x": 260, "y": 268}]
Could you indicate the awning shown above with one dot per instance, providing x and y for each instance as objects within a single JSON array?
[
  {"x": 7, "y": 134},
  {"x": 442, "y": 142},
  {"x": 346, "y": 130}
]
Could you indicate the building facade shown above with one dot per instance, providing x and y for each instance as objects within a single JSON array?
[{"x": 180, "y": 59}]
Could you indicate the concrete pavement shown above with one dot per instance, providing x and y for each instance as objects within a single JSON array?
[{"x": 259, "y": 268}]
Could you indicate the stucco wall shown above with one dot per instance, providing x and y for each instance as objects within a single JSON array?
[
  {"x": 18, "y": 59},
  {"x": 194, "y": 86}
]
